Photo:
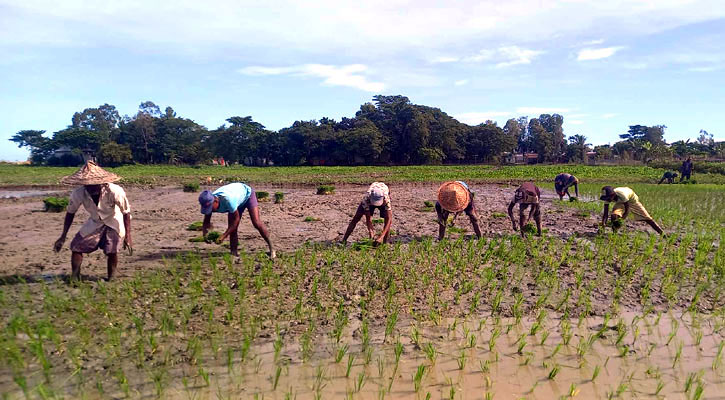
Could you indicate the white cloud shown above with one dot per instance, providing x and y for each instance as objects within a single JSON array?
[
  {"x": 475, "y": 118},
  {"x": 592, "y": 42},
  {"x": 597, "y": 54},
  {"x": 461, "y": 82},
  {"x": 536, "y": 111},
  {"x": 444, "y": 59},
  {"x": 704, "y": 69},
  {"x": 609, "y": 115},
  {"x": 346, "y": 75},
  {"x": 574, "y": 122},
  {"x": 517, "y": 55}
]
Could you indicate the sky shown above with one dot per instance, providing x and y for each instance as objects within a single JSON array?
[{"x": 602, "y": 65}]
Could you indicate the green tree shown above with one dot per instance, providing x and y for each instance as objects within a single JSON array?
[
  {"x": 41, "y": 147},
  {"x": 113, "y": 154}
]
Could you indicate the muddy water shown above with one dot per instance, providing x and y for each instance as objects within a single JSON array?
[{"x": 634, "y": 368}]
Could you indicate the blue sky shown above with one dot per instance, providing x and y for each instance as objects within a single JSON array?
[{"x": 603, "y": 65}]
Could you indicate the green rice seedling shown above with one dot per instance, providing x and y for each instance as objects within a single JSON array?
[
  {"x": 573, "y": 391},
  {"x": 360, "y": 382},
  {"x": 678, "y": 354},
  {"x": 326, "y": 189},
  {"x": 660, "y": 386},
  {"x": 418, "y": 377},
  {"x": 310, "y": 219},
  {"x": 392, "y": 319},
  {"x": 595, "y": 373},
  {"x": 461, "y": 360},
  {"x": 275, "y": 381},
  {"x": 340, "y": 353},
  {"x": 488, "y": 396},
  {"x": 55, "y": 204},
  {"x": 191, "y": 187},
  {"x": 195, "y": 226},
  {"x": 430, "y": 352},
  {"x": 484, "y": 366},
  {"x": 472, "y": 341},
  {"x": 378, "y": 221},
  {"x": 499, "y": 215},
  {"x": 554, "y": 372},
  {"x": 495, "y": 333},
  {"x": 698, "y": 391},
  {"x": 691, "y": 378},
  {"x": 398, "y": 350},
  {"x": 350, "y": 360},
  {"x": 278, "y": 197},
  {"x": 428, "y": 203},
  {"x": 544, "y": 336},
  {"x": 262, "y": 196},
  {"x": 717, "y": 361},
  {"x": 555, "y": 351},
  {"x": 381, "y": 366}
]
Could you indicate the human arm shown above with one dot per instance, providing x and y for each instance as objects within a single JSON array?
[
  {"x": 206, "y": 225},
  {"x": 232, "y": 225},
  {"x": 511, "y": 214},
  {"x": 351, "y": 226},
  {"x": 66, "y": 226},
  {"x": 605, "y": 215},
  {"x": 388, "y": 217},
  {"x": 626, "y": 210},
  {"x": 127, "y": 241}
]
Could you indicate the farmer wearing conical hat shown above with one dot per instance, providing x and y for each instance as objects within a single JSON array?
[
  {"x": 454, "y": 197},
  {"x": 376, "y": 197},
  {"x": 563, "y": 182},
  {"x": 527, "y": 195},
  {"x": 233, "y": 199},
  {"x": 109, "y": 225},
  {"x": 626, "y": 202}
]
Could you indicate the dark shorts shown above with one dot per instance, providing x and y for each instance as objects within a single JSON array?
[
  {"x": 103, "y": 238},
  {"x": 249, "y": 204},
  {"x": 371, "y": 210}
]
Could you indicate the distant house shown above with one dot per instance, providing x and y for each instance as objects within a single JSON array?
[
  {"x": 520, "y": 158},
  {"x": 591, "y": 157},
  {"x": 65, "y": 151}
]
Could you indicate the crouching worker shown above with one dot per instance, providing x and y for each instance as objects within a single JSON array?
[
  {"x": 377, "y": 197},
  {"x": 233, "y": 199},
  {"x": 454, "y": 197},
  {"x": 669, "y": 176},
  {"x": 625, "y": 202},
  {"x": 563, "y": 182},
  {"x": 527, "y": 195},
  {"x": 109, "y": 225}
]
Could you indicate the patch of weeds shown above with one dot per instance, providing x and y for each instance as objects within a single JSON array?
[
  {"x": 55, "y": 204},
  {"x": 326, "y": 189}
]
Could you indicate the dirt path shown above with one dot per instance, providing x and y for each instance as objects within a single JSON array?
[{"x": 161, "y": 215}]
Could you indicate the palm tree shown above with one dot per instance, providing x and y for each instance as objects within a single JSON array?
[{"x": 579, "y": 146}]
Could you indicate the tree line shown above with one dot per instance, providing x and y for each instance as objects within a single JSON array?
[{"x": 388, "y": 130}]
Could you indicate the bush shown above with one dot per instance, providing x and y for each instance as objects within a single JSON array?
[
  {"x": 191, "y": 187},
  {"x": 278, "y": 197},
  {"x": 262, "y": 196},
  {"x": 113, "y": 154},
  {"x": 196, "y": 226},
  {"x": 55, "y": 204},
  {"x": 326, "y": 189}
]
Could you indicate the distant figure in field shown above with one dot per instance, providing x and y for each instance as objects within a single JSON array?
[
  {"x": 686, "y": 169},
  {"x": 109, "y": 225},
  {"x": 625, "y": 202},
  {"x": 527, "y": 195},
  {"x": 455, "y": 197},
  {"x": 669, "y": 176},
  {"x": 563, "y": 182},
  {"x": 233, "y": 199},
  {"x": 376, "y": 197}
]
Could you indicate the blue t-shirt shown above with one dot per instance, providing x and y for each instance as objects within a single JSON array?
[{"x": 232, "y": 196}]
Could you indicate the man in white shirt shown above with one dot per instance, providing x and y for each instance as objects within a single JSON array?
[
  {"x": 377, "y": 197},
  {"x": 109, "y": 225}
]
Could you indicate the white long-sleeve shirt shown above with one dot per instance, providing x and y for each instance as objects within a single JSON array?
[{"x": 112, "y": 205}]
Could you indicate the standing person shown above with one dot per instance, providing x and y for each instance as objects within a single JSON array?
[
  {"x": 686, "y": 169},
  {"x": 669, "y": 176},
  {"x": 376, "y": 197},
  {"x": 233, "y": 199},
  {"x": 625, "y": 202},
  {"x": 526, "y": 195},
  {"x": 563, "y": 182},
  {"x": 109, "y": 225},
  {"x": 454, "y": 197}
]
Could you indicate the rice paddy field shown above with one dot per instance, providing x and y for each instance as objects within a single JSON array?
[{"x": 587, "y": 314}]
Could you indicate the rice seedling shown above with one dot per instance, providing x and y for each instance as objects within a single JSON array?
[
  {"x": 350, "y": 361},
  {"x": 262, "y": 196},
  {"x": 191, "y": 187},
  {"x": 325, "y": 190}
]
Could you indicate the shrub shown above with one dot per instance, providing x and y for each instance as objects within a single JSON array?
[
  {"x": 113, "y": 154},
  {"x": 326, "y": 189},
  {"x": 196, "y": 226},
  {"x": 262, "y": 196},
  {"x": 191, "y": 187},
  {"x": 278, "y": 197},
  {"x": 55, "y": 204}
]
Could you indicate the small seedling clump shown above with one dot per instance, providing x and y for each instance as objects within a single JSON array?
[
  {"x": 55, "y": 204},
  {"x": 326, "y": 189},
  {"x": 195, "y": 226},
  {"x": 262, "y": 196},
  {"x": 278, "y": 197},
  {"x": 191, "y": 187}
]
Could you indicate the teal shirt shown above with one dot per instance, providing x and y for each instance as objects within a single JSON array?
[{"x": 232, "y": 196}]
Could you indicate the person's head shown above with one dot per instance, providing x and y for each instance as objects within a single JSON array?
[
  {"x": 93, "y": 189},
  {"x": 377, "y": 196},
  {"x": 209, "y": 203},
  {"x": 608, "y": 194}
]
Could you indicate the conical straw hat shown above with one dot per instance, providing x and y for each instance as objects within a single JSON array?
[
  {"x": 90, "y": 174},
  {"x": 453, "y": 196}
]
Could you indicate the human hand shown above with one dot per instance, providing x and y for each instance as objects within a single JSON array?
[
  {"x": 59, "y": 244},
  {"x": 378, "y": 242}
]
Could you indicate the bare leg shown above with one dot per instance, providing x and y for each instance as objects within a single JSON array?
[
  {"x": 75, "y": 262},
  {"x": 537, "y": 218},
  {"x": 233, "y": 237},
  {"x": 353, "y": 223},
  {"x": 442, "y": 216},
  {"x": 654, "y": 226},
  {"x": 111, "y": 264},
  {"x": 259, "y": 226},
  {"x": 522, "y": 219}
]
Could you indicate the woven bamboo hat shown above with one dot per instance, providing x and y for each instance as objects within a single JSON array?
[
  {"x": 453, "y": 196},
  {"x": 90, "y": 174}
]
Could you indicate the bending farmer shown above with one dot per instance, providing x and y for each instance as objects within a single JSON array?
[
  {"x": 109, "y": 224},
  {"x": 669, "y": 176},
  {"x": 233, "y": 199},
  {"x": 625, "y": 202},
  {"x": 527, "y": 195},
  {"x": 454, "y": 197},
  {"x": 563, "y": 182},
  {"x": 377, "y": 197}
]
